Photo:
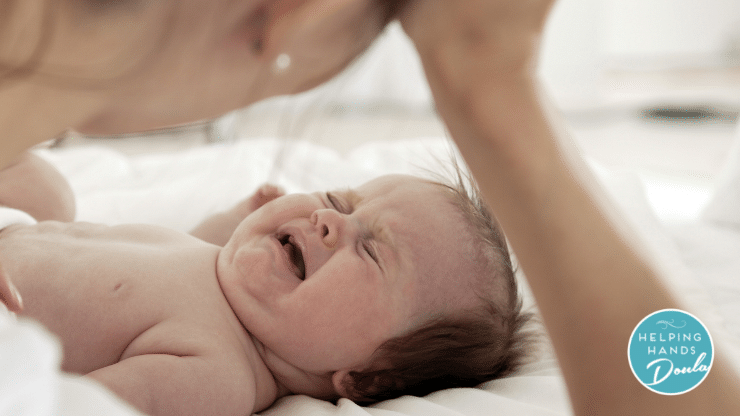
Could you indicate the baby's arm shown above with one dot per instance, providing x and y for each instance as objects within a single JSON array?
[
  {"x": 162, "y": 384},
  {"x": 218, "y": 228},
  {"x": 32, "y": 185},
  {"x": 9, "y": 295},
  {"x": 591, "y": 285}
]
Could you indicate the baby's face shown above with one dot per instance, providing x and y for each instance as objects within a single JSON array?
[{"x": 323, "y": 279}]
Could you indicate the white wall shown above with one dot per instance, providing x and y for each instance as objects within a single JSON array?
[
  {"x": 677, "y": 32},
  {"x": 586, "y": 37},
  {"x": 389, "y": 73},
  {"x": 571, "y": 55}
]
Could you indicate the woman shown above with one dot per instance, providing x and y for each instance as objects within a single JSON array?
[
  {"x": 108, "y": 67},
  {"x": 118, "y": 66}
]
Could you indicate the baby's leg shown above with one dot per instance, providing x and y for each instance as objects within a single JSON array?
[{"x": 34, "y": 186}]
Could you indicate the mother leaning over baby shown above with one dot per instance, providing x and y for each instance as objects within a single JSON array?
[{"x": 119, "y": 66}]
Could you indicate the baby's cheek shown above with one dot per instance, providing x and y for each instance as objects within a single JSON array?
[
  {"x": 356, "y": 311},
  {"x": 254, "y": 273}
]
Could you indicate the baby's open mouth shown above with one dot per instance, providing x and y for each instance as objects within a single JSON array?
[{"x": 294, "y": 255}]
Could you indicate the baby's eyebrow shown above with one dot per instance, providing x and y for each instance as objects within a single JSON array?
[
  {"x": 374, "y": 230},
  {"x": 351, "y": 196},
  {"x": 381, "y": 235}
]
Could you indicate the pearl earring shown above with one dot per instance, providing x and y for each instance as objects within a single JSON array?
[{"x": 281, "y": 64}]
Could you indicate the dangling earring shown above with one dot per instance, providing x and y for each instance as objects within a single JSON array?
[{"x": 281, "y": 63}]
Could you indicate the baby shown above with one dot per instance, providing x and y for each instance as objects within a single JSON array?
[{"x": 400, "y": 286}]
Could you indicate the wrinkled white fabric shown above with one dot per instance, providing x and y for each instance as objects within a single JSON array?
[
  {"x": 181, "y": 188},
  {"x": 10, "y": 216}
]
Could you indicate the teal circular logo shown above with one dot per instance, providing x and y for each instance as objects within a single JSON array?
[{"x": 670, "y": 352}]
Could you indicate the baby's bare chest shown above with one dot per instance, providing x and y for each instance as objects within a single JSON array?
[{"x": 100, "y": 288}]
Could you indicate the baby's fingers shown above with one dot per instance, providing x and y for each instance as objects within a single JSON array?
[
  {"x": 265, "y": 194},
  {"x": 8, "y": 293},
  {"x": 261, "y": 196}
]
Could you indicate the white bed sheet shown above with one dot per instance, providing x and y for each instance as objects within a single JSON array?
[{"x": 179, "y": 189}]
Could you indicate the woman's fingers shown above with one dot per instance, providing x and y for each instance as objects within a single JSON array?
[{"x": 8, "y": 293}]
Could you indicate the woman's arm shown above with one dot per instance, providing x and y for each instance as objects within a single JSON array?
[{"x": 591, "y": 286}]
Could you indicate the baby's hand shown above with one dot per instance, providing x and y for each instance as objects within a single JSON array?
[
  {"x": 264, "y": 194},
  {"x": 218, "y": 228},
  {"x": 8, "y": 293}
]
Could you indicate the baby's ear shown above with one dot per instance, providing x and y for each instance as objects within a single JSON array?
[
  {"x": 344, "y": 386},
  {"x": 340, "y": 380}
]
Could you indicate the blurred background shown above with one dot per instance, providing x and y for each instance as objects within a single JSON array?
[{"x": 649, "y": 86}]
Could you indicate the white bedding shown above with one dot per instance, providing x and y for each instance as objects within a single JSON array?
[{"x": 179, "y": 189}]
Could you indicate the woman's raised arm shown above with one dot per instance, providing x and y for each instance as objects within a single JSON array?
[{"x": 590, "y": 284}]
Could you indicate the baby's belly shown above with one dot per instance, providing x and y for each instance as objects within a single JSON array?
[{"x": 98, "y": 288}]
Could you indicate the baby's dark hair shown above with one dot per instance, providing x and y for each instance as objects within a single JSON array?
[{"x": 456, "y": 351}]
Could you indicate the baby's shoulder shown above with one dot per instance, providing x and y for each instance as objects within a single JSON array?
[
  {"x": 205, "y": 329},
  {"x": 185, "y": 366}
]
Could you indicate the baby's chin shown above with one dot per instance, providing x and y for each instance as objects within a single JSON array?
[{"x": 223, "y": 266}]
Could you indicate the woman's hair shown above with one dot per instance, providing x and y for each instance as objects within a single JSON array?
[
  {"x": 390, "y": 9},
  {"x": 456, "y": 351}
]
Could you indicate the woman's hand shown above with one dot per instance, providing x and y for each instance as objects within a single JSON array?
[
  {"x": 465, "y": 43},
  {"x": 480, "y": 57},
  {"x": 8, "y": 293},
  {"x": 218, "y": 228}
]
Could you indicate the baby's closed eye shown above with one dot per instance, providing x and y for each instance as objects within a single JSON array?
[{"x": 338, "y": 204}]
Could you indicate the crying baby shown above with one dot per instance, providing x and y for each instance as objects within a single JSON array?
[{"x": 400, "y": 286}]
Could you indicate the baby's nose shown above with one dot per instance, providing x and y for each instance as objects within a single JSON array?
[{"x": 331, "y": 226}]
